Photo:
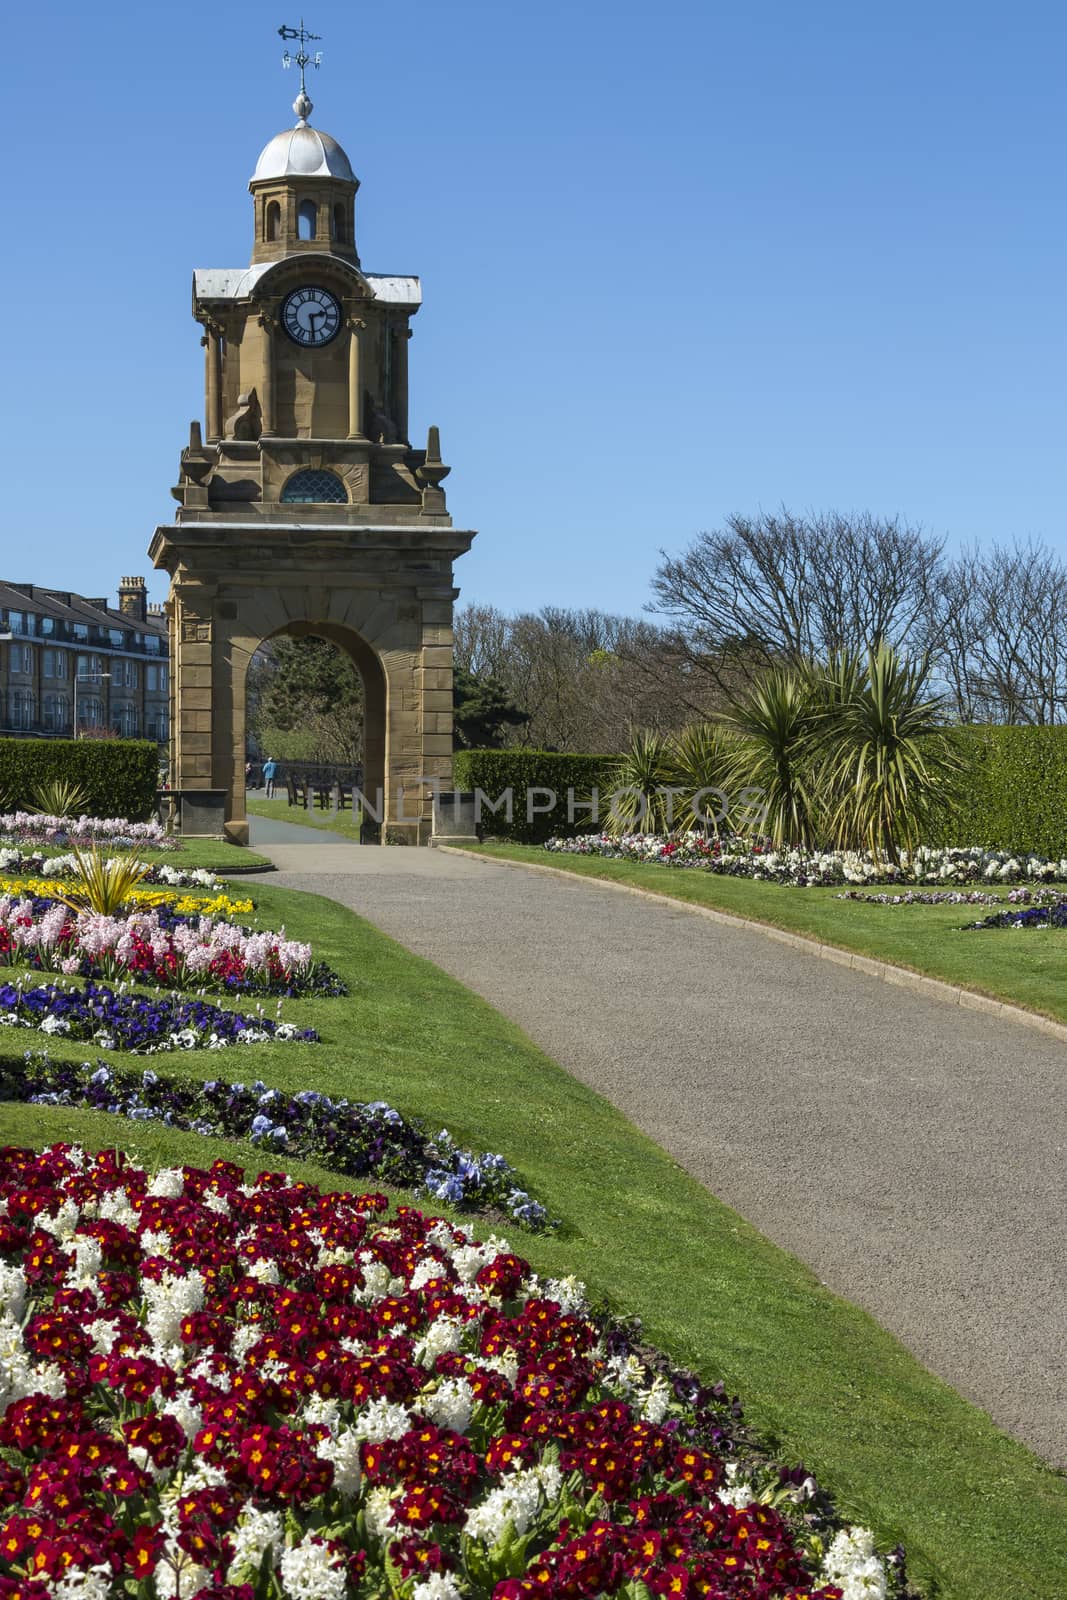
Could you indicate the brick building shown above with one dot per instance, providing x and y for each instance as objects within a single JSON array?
[{"x": 71, "y": 663}]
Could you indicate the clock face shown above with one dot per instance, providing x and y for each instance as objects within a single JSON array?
[{"x": 311, "y": 316}]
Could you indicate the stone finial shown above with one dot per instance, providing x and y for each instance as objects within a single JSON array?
[{"x": 431, "y": 474}]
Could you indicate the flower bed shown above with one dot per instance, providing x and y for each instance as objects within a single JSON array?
[
  {"x": 18, "y": 863},
  {"x": 161, "y": 946},
  {"x": 1049, "y": 916},
  {"x": 243, "y": 1391},
  {"x": 742, "y": 858},
  {"x": 360, "y": 1140},
  {"x": 955, "y": 897},
  {"x": 137, "y": 1023},
  {"x": 112, "y": 833},
  {"x": 183, "y": 901}
]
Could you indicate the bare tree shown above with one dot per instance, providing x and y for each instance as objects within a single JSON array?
[
  {"x": 1002, "y": 619},
  {"x": 777, "y": 587}
]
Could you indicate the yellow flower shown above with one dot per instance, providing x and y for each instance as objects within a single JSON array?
[{"x": 183, "y": 900}]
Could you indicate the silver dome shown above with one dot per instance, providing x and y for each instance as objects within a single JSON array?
[{"x": 303, "y": 152}]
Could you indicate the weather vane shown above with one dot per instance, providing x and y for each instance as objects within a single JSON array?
[{"x": 302, "y": 59}]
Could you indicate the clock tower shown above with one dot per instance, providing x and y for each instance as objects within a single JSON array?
[{"x": 303, "y": 507}]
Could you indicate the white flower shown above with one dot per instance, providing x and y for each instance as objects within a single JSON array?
[
  {"x": 852, "y": 1564},
  {"x": 568, "y": 1292},
  {"x": 88, "y": 1258},
  {"x": 265, "y": 1271},
  {"x": 735, "y": 1492},
  {"x": 256, "y": 1532},
  {"x": 451, "y": 1405},
  {"x": 438, "y": 1586},
  {"x": 444, "y": 1334},
  {"x": 320, "y": 1412},
  {"x": 656, "y": 1401},
  {"x": 12, "y": 1292},
  {"x": 378, "y": 1511},
  {"x": 170, "y": 1301},
  {"x": 382, "y": 1420},
  {"x": 168, "y": 1182},
  {"x": 343, "y": 1454},
  {"x": 515, "y": 1502},
  {"x": 312, "y": 1571},
  {"x": 186, "y": 1413},
  {"x": 115, "y": 1207},
  {"x": 79, "y": 1584},
  {"x": 63, "y": 1224}
]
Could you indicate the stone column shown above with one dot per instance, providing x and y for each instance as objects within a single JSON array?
[
  {"x": 266, "y": 388},
  {"x": 212, "y": 343},
  {"x": 401, "y": 335},
  {"x": 355, "y": 380}
]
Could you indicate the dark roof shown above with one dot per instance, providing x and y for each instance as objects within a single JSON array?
[{"x": 66, "y": 606}]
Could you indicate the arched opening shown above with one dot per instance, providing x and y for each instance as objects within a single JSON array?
[
  {"x": 306, "y": 218},
  {"x": 315, "y": 707},
  {"x": 274, "y": 221},
  {"x": 314, "y": 486},
  {"x": 339, "y": 228}
]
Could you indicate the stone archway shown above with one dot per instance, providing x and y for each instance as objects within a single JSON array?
[
  {"x": 384, "y": 598},
  {"x": 372, "y": 673}
]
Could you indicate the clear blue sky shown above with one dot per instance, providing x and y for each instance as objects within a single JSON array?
[{"x": 678, "y": 260}]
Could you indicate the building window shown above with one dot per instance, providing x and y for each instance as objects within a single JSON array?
[
  {"x": 16, "y": 621},
  {"x": 274, "y": 221},
  {"x": 21, "y": 708},
  {"x": 313, "y": 487},
  {"x": 46, "y": 625},
  {"x": 339, "y": 223},
  {"x": 155, "y": 678},
  {"x": 55, "y": 664},
  {"x": 22, "y": 658},
  {"x": 90, "y": 666},
  {"x": 306, "y": 219},
  {"x": 80, "y": 631},
  {"x": 127, "y": 722},
  {"x": 90, "y": 711},
  {"x": 156, "y": 726},
  {"x": 56, "y": 713}
]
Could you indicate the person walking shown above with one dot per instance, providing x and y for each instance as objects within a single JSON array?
[{"x": 270, "y": 772}]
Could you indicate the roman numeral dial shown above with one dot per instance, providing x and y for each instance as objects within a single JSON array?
[{"x": 311, "y": 316}]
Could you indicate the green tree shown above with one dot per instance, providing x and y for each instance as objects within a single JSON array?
[
  {"x": 482, "y": 711},
  {"x": 306, "y": 698}
]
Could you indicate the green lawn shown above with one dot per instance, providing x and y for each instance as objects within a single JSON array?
[
  {"x": 1026, "y": 968},
  {"x": 981, "y": 1517},
  {"x": 215, "y": 854},
  {"x": 281, "y": 811}
]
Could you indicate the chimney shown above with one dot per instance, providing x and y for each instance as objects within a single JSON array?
[{"x": 133, "y": 598}]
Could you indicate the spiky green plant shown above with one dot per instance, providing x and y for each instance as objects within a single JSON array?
[
  {"x": 776, "y": 720},
  {"x": 885, "y": 763},
  {"x": 101, "y": 885},
  {"x": 59, "y": 797},
  {"x": 699, "y": 762},
  {"x": 640, "y": 785}
]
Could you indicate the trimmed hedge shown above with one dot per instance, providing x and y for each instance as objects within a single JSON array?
[
  {"x": 1013, "y": 793},
  {"x": 495, "y": 771},
  {"x": 121, "y": 776},
  {"x": 1012, "y": 796}
]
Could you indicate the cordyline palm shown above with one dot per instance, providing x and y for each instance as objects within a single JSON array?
[
  {"x": 776, "y": 720},
  {"x": 100, "y": 885},
  {"x": 700, "y": 759},
  {"x": 643, "y": 773},
  {"x": 885, "y": 761}
]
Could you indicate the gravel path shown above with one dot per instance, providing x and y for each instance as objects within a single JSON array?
[{"x": 910, "y": 1152}]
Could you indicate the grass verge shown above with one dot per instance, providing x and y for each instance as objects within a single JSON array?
[
  {"x": 323, "y": 821},
  {"x": 981, "y": 1517},
  {"x": 214, "y": 854},
  {"x": 1025, "y": 969}
]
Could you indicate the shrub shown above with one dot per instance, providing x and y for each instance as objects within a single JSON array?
[
  {"x": 119, "y": 776},
  {"x": 1013, "y": 791},
  {"x": 494, "y": 771}
]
